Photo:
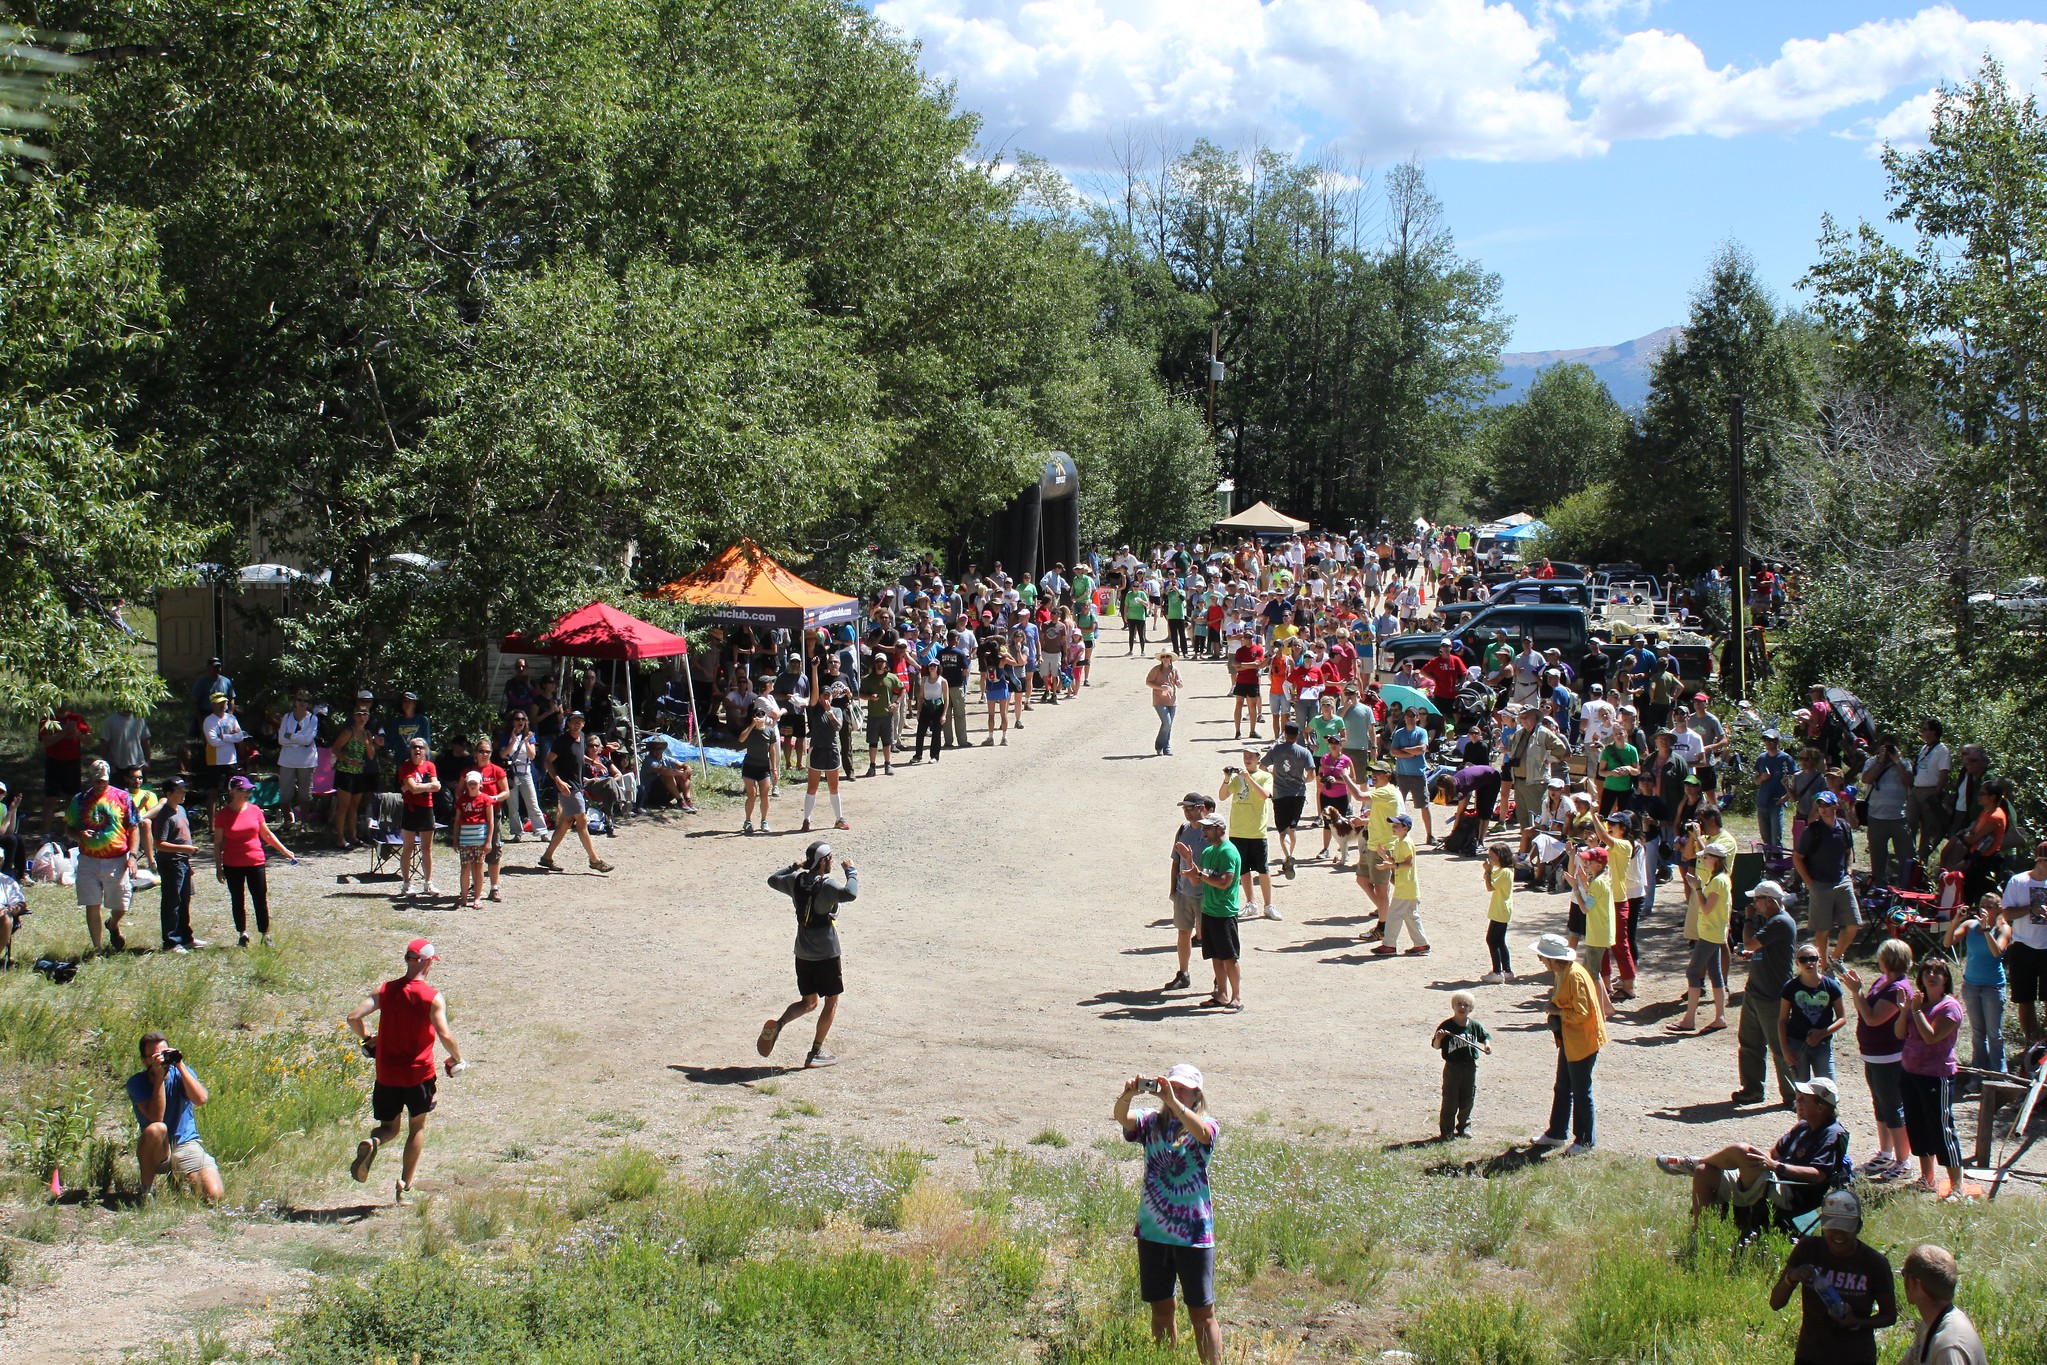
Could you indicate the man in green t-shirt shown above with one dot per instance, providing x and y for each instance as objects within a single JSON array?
[
  {"x": 1176, "y": 617},
  {"x": 879, "y": 689},
  {"x": 1220, "y": 869},
  {"x": 1136, "y": 611}
]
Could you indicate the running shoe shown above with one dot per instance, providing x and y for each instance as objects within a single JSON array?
[
  {"x": 1677, "y": 1165},
  {"x": 1271, "y": 913},
  {"x": 819, "y": 1057},
  {"x": 401, "y": 1194},
  {"x": 765, "y": 829},
  {"x": 840, "y": 824},
  {"x": 365, "y": 1153},
  {"x": 746, "y": 828},
  {"x": 1545, "y": 1140},
  {"x": 770, "y": 1031},
  {"x": 430, "y": 890},
  {"x": 1578, "y": 1149}
]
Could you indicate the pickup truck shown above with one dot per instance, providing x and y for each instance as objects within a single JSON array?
[
  {"x": 1566, "y": 629},
  {"x": 1521, "y": 591}
]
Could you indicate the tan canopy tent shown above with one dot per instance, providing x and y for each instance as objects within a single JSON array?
[{"x": 1262, "y": 519}]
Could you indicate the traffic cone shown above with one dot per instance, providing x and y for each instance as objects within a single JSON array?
[{"x": 56, "y": 1183}]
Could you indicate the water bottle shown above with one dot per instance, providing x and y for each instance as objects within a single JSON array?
[{"x": 1830, "y": 1299}]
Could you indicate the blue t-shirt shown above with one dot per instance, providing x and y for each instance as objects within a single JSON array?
[
  {"x": 1983, "y": 967},
  {"x": 1174, "y": 1206},
  {"x": 1812, "y": 1007},
  {"x": 177, "y": 1110},
  {"x": 1772, "y": 772},
  {"x": 1415, "y": 764}
]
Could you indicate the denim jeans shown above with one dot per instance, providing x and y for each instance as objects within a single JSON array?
[
  {"x": 1806, "y": 1061},
  {"x": 1890, "y": 849},
  {"x": 175, "y": 886},
  {"x": 1985, "y": 1005},
  {"x": 1164, "y": 742},
  {"x": 1770, "y": 822},
  {"x": 1571, "y": 1108}
]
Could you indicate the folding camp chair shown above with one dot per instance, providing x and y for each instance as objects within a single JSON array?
[{"x": 383, "y": 840}]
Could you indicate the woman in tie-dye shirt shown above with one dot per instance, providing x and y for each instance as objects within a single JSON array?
[{"x": 1175, "y": 1219}]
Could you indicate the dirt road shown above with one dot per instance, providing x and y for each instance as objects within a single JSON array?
[{"x": 1003, "y": 965}]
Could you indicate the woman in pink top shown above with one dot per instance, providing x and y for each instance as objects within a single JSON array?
[
  {"x": 1929, "y": 1023},
  {"x": 239, "y": 833}
]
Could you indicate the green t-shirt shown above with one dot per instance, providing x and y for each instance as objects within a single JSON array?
[
  {"x": 1028, "y": 594},
  {"x": 1176, "y": 605},
  {"x": 1083, "y": 587},
  {"x": 1498, "y": 655},
  {"x": 1328, "y": 734},
  {"x": 1136, "y": 605},
  {"x": 1221, "y": 901},
  {"x": 881, "y": 688},
  {"x": 1620, "y": 756}
]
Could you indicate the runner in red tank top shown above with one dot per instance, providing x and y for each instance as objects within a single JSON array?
[{"x": 411, "y": 1016}]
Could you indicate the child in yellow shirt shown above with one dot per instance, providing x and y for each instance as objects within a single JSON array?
[
  {"x": 1499, "y": 880},
  {"x": 1405, "y": 908}
]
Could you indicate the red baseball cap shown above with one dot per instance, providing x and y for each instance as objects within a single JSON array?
[{"x": 421, "y": 948}]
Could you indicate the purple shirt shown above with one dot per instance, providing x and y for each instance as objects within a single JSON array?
[
  {"x": 1934, "y": 1059},
  {"x": 1880, "y": 1042}
]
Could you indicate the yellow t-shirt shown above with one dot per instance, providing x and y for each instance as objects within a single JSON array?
[
  {"x": 1501, "y": 911},
  {"x": 1249, "y": 795},
  {"x": 1282, "y": 633},
  {"x": 1384, "y": 805},
  {"x": 1599, "y": 924},
  {"x": 1619, "y": 853},
  {"x": 1708, "y": 922},
  {"x": 1401, "y": 854}
]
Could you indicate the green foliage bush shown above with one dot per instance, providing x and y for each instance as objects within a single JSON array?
[{"x": 1481, "y": 1329}]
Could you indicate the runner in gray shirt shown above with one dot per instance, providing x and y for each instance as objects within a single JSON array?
[{"x": 1292, "y": 767}]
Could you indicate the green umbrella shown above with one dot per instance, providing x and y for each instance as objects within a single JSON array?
[{"x": 1404, "y": 697}]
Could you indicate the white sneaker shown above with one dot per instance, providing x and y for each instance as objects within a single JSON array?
[
  {"x": 1271, "y": 913},
  {"x": 1492, "y": 979},
  {"x": 197, "y": 943},
  {"x": 266, "y": 940},
  {"x": 1578, "y": 1149},
  {"x": 405, "y": 891},
  {"x": 1545, "y": 1140},
  {"x": 180, "y": 949},
  {"x": 430, "y": 890}
]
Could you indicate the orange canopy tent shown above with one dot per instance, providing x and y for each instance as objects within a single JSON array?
[{"x": 745, "y": 586}]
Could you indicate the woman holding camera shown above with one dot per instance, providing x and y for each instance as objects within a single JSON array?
[{"x": 1175, "y": 1219}]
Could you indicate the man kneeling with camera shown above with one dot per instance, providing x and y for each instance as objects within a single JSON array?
[{"x": 166, "y": 1096}]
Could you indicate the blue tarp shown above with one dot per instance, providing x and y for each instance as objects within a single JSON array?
[
  {"x": 1527, "y": 530},
  {"x": 688, "y": 753}
]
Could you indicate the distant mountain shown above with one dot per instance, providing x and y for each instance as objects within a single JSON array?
[{"x": 1625, "y": 367}]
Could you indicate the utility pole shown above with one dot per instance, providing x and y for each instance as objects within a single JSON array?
[
  {"x": 1737, "y": 482},
  {"x": 1214, "y": 372}
]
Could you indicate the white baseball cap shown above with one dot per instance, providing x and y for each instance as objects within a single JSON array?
[{"x": 1185, "y": 1073}]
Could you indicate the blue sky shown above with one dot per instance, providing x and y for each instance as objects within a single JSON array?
[{"x": 1593, "y": 152}]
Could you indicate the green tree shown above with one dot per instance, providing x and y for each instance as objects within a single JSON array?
[
  {"x": 1147, "y": 467},
  {"x": 565, "y": 293},
  {"x": 1674, "y": 465},
  {"x": 83, "y": 531},
  {"x": 1563, "y": 434}
]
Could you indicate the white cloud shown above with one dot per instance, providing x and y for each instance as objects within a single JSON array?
[
  {"x": 1655, "y": 84},
  {"x": 1382, "y": 79},
  {"x": 1435, "y": 77}
]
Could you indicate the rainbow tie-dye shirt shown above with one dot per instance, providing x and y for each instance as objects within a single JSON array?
[{"x": 103, "y": 824}]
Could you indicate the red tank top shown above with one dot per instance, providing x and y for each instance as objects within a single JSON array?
[{"x": 405, "y": 1032}]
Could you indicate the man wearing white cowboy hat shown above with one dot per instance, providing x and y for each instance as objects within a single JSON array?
[{"x": 1580, "y": 1029}]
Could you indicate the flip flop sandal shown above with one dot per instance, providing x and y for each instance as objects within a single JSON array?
[
  {"x": 1674, "y": 1027},
  {"x": 1214, "y": 1002},
  {"x": 770, "y": 1031},
  {"x": 1714, "y": 1028}
]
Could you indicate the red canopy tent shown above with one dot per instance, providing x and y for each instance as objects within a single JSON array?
[{"x": 602, "y": 631}]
